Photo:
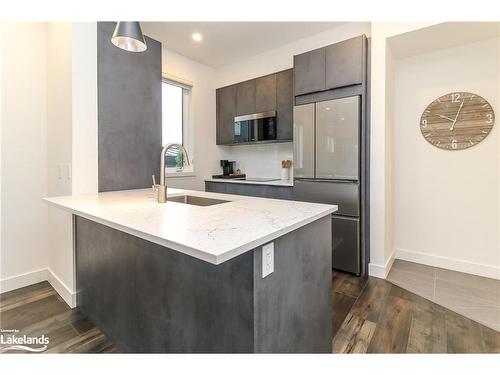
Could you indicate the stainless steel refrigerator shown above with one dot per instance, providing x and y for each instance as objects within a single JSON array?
[{"x": 327, "y": 167}]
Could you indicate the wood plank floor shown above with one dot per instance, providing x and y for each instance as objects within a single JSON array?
[
  {"x": 372, "y": 315},
  {"x": 369, "y": 315},
  {"x": 38, "y": 310}
]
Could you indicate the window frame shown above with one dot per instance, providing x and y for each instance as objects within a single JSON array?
[{"x": 187, "y": 133}]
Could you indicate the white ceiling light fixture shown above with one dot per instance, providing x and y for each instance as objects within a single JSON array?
[
  {"x": 197, "y": 37},
  {"x": 128, "y": 36}
]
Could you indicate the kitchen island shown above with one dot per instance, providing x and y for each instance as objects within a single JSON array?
[{"x": 187, "y": 275}]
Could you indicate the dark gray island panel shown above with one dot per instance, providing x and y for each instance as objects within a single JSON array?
[
  {"x": 290, "y": 303},
  {"x": 148, "y": 298}
]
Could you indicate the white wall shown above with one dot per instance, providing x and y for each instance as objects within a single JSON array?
[
  {"x": 446, "y": 204},
  {"x": 84, "y": 108},
  {"x": 24, "y": 153},
  {"x": 48, "y": 145},
  {"x": 2, "y": 30},
  {"x": 59, "y": 162},
  {"x": 72, "y": 138},
  {"x": 206, "y": 154},
  {"x": 381, "y": 155},
  {"x": 389, "y": 152},
  {"x": 59, "y": 59}
]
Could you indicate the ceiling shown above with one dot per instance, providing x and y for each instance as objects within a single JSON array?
[
  {"x": 442, "y": 36},
  {"x": 227, "y": 42}
]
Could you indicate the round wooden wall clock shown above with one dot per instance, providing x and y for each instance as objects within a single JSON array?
[{"x": 457, "y": 121}]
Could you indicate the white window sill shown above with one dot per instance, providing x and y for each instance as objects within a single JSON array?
[{"x": 170, "y": 174}]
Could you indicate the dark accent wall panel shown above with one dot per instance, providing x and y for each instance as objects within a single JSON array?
[{"x": 129, "y": 113}]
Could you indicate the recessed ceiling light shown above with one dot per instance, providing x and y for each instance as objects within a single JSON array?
[{"x": 197, "y": 37}]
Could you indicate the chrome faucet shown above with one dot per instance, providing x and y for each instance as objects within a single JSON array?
[{"x": 162, "y": 187}]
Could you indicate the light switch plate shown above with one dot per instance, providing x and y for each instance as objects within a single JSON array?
[
  {"x": 68, "y": 171},
  {"x": 267, "y": 259}
]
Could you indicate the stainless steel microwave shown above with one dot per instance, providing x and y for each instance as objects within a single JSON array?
[{"x": 256, "y": 127}]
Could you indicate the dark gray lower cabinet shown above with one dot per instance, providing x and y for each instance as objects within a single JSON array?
[
  {"x": 263, "y": 191},
  {"x": 216, "y": 187}
]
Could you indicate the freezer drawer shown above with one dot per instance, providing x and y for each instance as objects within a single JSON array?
[
  {"x": 345, "y": 244},
  {"x": 345, "y": 194}
]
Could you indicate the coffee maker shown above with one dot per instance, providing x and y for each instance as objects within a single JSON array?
[
  {"x": 228, "y": 171},
  {"x": 227, "y": 167}
]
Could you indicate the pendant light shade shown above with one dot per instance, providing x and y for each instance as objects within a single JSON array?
[{"x": 128, "y": 36}]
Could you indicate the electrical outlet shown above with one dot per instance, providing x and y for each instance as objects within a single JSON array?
[{"x": 267, "y": 259}]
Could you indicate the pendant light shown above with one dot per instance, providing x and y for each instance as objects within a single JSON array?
[{"x": 128, "y": 36}]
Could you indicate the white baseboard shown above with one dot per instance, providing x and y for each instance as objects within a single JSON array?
[
  {"x": 62, "y": 289},
  {"x": 25, "y": 279},
  {"x": 381, "y": 271},
  {"x": 449, "y": 263},
  {"x": 30, "y": 278}
]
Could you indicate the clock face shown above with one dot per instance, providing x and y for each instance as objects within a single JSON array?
[{"x": 457, "y": 120}]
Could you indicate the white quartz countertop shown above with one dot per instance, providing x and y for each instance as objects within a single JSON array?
[
  {"x": 286, "y": 183},
  {"x": 212, "y": 233}
]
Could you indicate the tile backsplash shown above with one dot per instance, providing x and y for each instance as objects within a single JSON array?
[{"x": 259, "y": 160}]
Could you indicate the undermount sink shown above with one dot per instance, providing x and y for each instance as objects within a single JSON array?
[{"x": 197, "y": 201}]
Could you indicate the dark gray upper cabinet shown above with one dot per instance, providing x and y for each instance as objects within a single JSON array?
[
  {"x": 309, "y": 71},
  {"x": 273, "y": 92},
  {"x": 265, "y": 93},
  {"x": 344, "y": 63},
  {"x": 226, "y": 111},
  {"x": 284, "y": 104},
  {"x": 245, "y": 98},
  {"x": 337, "y": 65}
]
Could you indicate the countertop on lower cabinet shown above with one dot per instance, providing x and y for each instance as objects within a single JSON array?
[
  {"x": 284, "y": 183},
  {"x": 214, "y": 233}
]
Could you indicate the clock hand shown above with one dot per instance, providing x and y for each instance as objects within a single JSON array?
[
  {"x": 456, "y": 117},
  {"x": 446, "y": 118}
]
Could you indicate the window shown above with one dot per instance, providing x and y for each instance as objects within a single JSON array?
[{"x": 175, "y": 121}]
